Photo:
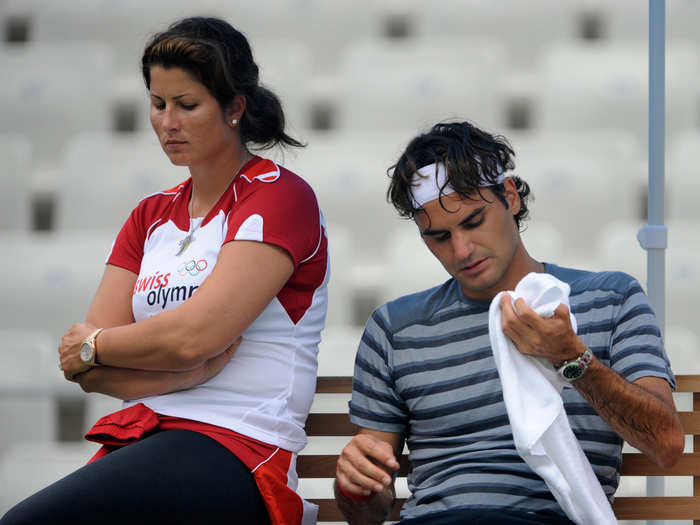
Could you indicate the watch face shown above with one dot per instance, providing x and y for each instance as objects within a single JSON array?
[
  {"x": 86, "y": 353},
  {"x": 572, "y": 371}
]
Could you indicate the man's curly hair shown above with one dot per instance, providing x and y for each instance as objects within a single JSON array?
[{"x": 471, "y": 157}]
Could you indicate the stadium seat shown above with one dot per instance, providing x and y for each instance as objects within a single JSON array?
[
  {"x": 605, "y": 84},
  {"x": 54, "y": 91},
  {"x": 27, "y": 395},
  {"x": 629, "y": 20},
  {"x": 578, "y": 194},
  {"x": 348, "y": 172},
  {"x": 286, "y": 68},
  {"x": 683, "y": 273},
  {"x": 124, "y": 25},
  {"x": 15, "y": 180},
  {"x": 53, "y": 286},
  {"x": 683, "y": 348},
  {"x": 415, "y": 83},
  {"x": 524, "y": 27},
  {"x": 106, "y": 175},
  {"x": 617, "y": 249},
  {"x": 28, "y": 467},
  {"x": 682, "y": 183},
  {"x": 325, "y": 27},
  {"x": 409, "y": 265}
]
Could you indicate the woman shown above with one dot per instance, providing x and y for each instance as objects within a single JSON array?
[{"x": 208, "y": 316}]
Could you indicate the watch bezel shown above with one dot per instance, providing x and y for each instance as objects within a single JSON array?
[
  {"x": 566, "y": 369},
  {"x": 87, "y": 353}
]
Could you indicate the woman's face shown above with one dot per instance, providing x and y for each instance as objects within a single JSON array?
[{"x": 189, "y": 122}]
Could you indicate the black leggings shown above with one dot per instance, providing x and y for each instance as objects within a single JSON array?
[{"x": 173, "y": 476}]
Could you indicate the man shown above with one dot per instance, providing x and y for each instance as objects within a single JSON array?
[{"x": 425, "y": 373}]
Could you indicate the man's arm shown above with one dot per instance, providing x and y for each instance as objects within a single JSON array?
[
  {"x": 642, "y": 413},
  {"x": 364, "y": 485}
]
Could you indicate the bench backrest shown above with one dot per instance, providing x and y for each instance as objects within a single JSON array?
[{"x": 626, "y": 508}]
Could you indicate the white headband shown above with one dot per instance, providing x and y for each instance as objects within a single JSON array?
[{"x": 428, "y": 185}]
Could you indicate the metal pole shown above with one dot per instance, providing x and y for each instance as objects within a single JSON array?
[{"x": 653, "y": 236}]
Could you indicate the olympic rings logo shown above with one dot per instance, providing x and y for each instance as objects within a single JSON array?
[{"x": 192, "y": 267}]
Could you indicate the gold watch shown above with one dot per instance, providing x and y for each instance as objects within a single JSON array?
[{"x": 88, "y": 352}]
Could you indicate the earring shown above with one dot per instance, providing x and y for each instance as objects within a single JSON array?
[{"x": 234, "y": 121}]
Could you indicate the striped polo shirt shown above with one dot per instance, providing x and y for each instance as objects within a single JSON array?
[{"x": 424, "y": 368}]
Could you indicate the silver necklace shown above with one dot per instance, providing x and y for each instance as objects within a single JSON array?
[
  {"x": 194, "y": 225},
  {"x": 187, "y": 240}
]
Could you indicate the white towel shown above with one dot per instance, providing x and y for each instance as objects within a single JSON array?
[{"x": 532, "y": 395}]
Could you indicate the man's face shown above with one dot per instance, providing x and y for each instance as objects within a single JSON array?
[{"x": 476, "y": 240}]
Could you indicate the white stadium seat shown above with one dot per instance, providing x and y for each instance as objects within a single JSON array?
[
  {"x": 605, "y": 84},
  {"x": 409, "y": 266},
  {"x": 682, "y": 182},
  {"x": 28, "y": 375},
  {"x": 29, "y": 467},
  {"x": 286, "y": 68},
  {"x": 683, "y": 349},
  {"x": 15, "y": 180},
  {"x": 348, "y": 172},
  {"x": 54, "y": 283},
  {"x": 415, "y": 83},
  {"x": 53, "y": 91},
  {"x": 106, "y": 175},
  {"x": 524, "y": 27}
]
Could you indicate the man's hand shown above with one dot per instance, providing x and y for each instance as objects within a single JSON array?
[
  {"x": 365, "y": 465},
  {"x": 552, "y": 338}
]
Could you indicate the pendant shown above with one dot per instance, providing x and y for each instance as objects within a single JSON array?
[{"x": 185, "y": 243}]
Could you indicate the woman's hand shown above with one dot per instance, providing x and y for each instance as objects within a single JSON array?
[
  {"x": 69, "y": 350},
  {"x": 126, "y": 383}
]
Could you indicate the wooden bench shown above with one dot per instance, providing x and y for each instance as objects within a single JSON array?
[{"x": 626, "y": 508}]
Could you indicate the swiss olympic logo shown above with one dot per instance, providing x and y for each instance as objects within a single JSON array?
[{"x": 192, "y": 267}]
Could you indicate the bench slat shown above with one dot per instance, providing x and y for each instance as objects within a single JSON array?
[
  {"x": 690, "y": 422},
  {"x": 640, "y": 465},
  {"x": 329, "y": 425},
  {"x": 334, "y": 385},
  {"x": 688, "y": 383},
  {"x": 343, "y": 384},
  {"x": 665, "y": 508},
  {"x": 323, "y": 466},
  {"x": 328, "y": 510},
  {"x": 326, "y": 424}
]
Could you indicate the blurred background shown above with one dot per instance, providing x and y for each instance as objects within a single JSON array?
[{"x": 565, "y": 82}]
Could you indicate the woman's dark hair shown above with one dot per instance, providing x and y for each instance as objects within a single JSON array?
[
  {"x": 471, "y": 157},
  {"x": 220, "y": 57}
]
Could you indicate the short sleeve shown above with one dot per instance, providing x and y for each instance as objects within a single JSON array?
[
  {"x": 284, "y": 213},
  {"x": 636, "y": 346},
  {"x": 127, "y": 250},
  {"x": 375, "y": 404}
]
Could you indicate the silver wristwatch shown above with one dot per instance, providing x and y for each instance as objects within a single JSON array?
[
  {"x": 87, "y": 349},
  {"x": 574, "y": 369}
]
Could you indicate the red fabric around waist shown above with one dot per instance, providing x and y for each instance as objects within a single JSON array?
[{"x": 133, "y": 423}]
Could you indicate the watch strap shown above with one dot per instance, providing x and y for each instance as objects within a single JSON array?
[
  {"x": 578, "y": 366},
  {"x": 92, "y": 341}
]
